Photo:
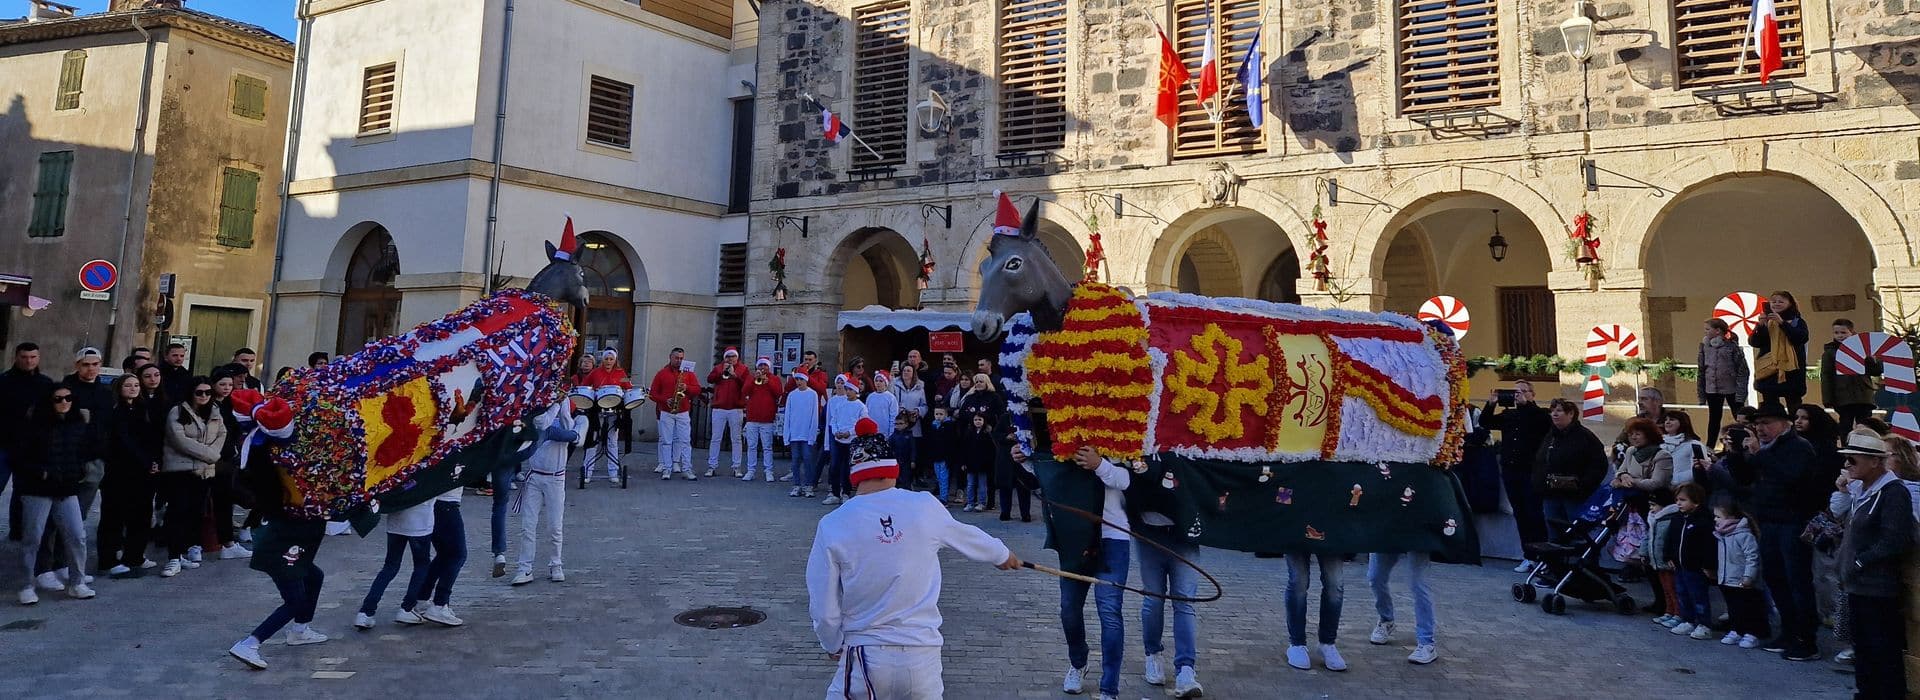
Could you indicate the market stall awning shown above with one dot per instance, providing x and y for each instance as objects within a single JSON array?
[
  {"x": 13, "y": 289},
  {"x": 883, "y": 318}
]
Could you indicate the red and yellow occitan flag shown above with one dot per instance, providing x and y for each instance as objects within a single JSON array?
[{"x": 1173, "y": 77}]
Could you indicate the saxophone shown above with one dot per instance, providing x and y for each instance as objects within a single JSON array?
[{"x": 679, "y": 395}]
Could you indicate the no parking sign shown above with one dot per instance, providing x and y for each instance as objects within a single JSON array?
[{"x": 96, "y": 277}]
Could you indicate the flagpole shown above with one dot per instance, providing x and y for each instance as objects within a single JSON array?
[
  {"x": 1746, "y": 38},
  {"x": 850, "y": 132}
]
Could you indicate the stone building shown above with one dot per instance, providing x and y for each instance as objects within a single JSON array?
[
  {"x": 1416, "y": 130},
  {"x": 150, "y": 137}
]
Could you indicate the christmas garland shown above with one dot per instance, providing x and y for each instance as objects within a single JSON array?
[
  {"x": 1317, "y": 260},
  {"x": 1541, "y": 365}
]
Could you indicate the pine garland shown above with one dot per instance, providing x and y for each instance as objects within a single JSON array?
[{"x": 1541, "y": 365}]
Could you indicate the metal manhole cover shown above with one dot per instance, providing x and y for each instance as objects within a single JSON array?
[
  {"x": 720, "y": 618},
  {"x": 28, "y": 624}
]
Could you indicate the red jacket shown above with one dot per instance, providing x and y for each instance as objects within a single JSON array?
[
  {"x": 662, "y": 389},
  {"x": 763, "y": 401},
  {"x": 600, "y": 377},
  {"x": 728, "y": 394}
]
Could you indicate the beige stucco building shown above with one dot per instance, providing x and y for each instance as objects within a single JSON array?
[
  {"x": 175, "y": 174},
  {"x": 1406, "y": 125}
]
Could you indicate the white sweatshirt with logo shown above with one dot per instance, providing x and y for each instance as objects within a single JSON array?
[{"x": 874, "y": 575}]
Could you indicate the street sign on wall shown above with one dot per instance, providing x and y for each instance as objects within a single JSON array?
[{"x": 98, "y": 276}]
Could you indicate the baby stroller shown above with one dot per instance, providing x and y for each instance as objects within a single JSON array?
[{"x": 1570, "y": 564}]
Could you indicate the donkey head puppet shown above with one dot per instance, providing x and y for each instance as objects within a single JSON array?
[
  {"x": 562, "y": 278},
  {"x": 1018, "y": 275}
]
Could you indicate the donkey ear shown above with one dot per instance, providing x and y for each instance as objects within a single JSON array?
[
  {"x": 550, "y": 250},
  {"x": 1030, "y": 228}
]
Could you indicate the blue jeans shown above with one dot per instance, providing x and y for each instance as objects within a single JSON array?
[
  {"x": 1691, "y": 588},
  {"x": 449, "y": 553},
  {"x": 1332, "y": 595},
  {"x": 977, "y": 489},
  {"x": 1566, "y": 510},
  {"x": 298, "y": 598},
  {"x": 940, "y": 479},
  {"x": 396, "y": 546},
  {"x": 1786, "y": 563},
  {"x": 1380, "y": 574},
  {"x": 1106, "y": 601},
  {"x": 502, "y": 497},
  {"x": 837, "y": 477},
  {"x": 13, "y": 510},
  {"x": 1161, "y": 573},
  {"x": 803, "y": 464}
]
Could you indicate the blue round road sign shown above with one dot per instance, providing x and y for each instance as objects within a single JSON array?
[{"x": 98, "y": 276}]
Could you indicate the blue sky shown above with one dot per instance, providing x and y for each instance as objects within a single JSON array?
[{"x": 275, "y": 15}]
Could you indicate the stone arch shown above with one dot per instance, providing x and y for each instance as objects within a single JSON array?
[
  {"x": 1216, "y": 254},
  {"x": 343, "y": 248},
  {"x": 1409, "y": 200},
  {"x": 891, "y": 264},
  {"x": 1886, "y": 236},
  {"x": 369, "y": 302},
  {"x": 1059, "y": 223}
]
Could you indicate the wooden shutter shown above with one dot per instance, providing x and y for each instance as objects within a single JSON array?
[
  {"x": 1449, "y": 54},
  {"x": 239, "y": 194},
  {"x": 733, "y": 268},
  {"x": 609, "y": 112},
  {"x": 1235, "y": 23},
  {"x": 50, "y": 196},
  {"x": 880, "y": 82},
  {"x": 729, "y": 330},
  {"x": 1527, "y": 321},
  {"x": 249, "y": 97},
  {"x": 1709, "y": 35},
  {"x": 73, "y": 70},
  {"x": 378, "y": 88},
  {"x": 1033, "y": 75}
]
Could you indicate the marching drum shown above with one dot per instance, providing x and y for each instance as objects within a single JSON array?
[
  {"x": 634, "y": 397},
  {"x": 581, "y": 397},
  {"x": 608, "y": 396}
]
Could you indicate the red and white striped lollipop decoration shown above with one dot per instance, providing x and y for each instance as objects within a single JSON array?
[
  {"x": 1895, "y": 356},
  {"x": 1593, "y": 401},
  {"x": 1602, "y": 338},
  {"x": 1741, "y": 311},
  {"x": 1450, "y": 311}
]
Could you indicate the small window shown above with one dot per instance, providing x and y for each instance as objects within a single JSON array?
[
  {"x": 239, "y": 196},
  {"x": 609, "y": 112},
  {"x": 1710, "y": 40},
  {"x": 1449, "y": 54},
  {"x": 50, "y": 196},
  {"x": 249, "y": 97},
  {"x": 880, "y": 82},
  {"x": 73, "y": 69},
  {"x": 1033, "y": 75},
  {"x": 733, "y": 268},
  {"x": 379, "y": 85}
]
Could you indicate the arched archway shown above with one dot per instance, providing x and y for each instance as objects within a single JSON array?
[
  {"x": 1227, "y": 252},
  {"x": 874, "y": 267},
  {"x": 1441, "y": 247},
  {"x": 610, "y": 290},
  {"x": 1282, "y": 276},
  {"x": 370, "y": 306}
]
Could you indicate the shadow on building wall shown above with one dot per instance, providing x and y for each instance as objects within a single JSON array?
[{"x": 1319, "y": 110}]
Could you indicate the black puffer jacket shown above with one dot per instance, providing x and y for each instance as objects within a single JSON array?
[
  {"x": 57, "y": 453},
  {"x": 1575, "y": 452},
  {"x": 1779, "y": 474},
  {"x": 1522, "y": 429}
]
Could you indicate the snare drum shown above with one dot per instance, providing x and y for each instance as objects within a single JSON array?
[
  {"x": 581, "y": 397},
  {"x": 608, "y": 396},
  {"x": 634, "y": 397}
]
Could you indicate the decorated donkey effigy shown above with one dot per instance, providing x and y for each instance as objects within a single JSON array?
[
  {"x": 1255, "y": 426},
  {"x": 411, "y": 416}
]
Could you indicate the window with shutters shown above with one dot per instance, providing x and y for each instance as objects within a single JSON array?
[
  {"x": 880, "y": 82},
  {"x": 1710, "y": 40},
  {"x": 1526, "y": 321},
  {"x": 73, "y": 68},
  {"x": 1033, "y": 75},
  {"x": 379, "y": 91},
  {"x": 1221, "y": 127},
  {"x": 729, "y": 330},
  {"x": 733, "y": 268},
  {"x": 1449, "y": 54},
  {"x": 609, "y": 112},
  {"x": 239, "y": 197},
  {"x": 249, "y": 97},
  {"x": 50, "y": 196}
]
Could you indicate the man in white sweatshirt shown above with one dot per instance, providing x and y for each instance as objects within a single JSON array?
[
  {"x": 545, "y": 490},
  {"x": 873, "y": 579},
  {"x": 802, "y": 433}
]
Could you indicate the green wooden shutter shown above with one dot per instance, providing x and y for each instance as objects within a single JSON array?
[
  {"x": 50, "y": 196},
  {"x": 72, "y": 69},
  {"x": 238, "y": 195},
  {"x": 249, "y": 97}
]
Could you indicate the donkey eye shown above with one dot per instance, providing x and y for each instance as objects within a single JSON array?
[{"x": 1013, "y": 265}]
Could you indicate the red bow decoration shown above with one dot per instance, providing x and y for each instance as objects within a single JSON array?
[
  {"x": 926, "y": 264},
  {"x": 1317, "y": 261},
  {"x": 1095, "y": 256}
]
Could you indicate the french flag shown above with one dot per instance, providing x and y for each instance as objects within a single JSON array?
[
  {"x": 835, "y": 129},
  {"x": 1209, "y": 69},
  {"x": 1764, "y": 29}
]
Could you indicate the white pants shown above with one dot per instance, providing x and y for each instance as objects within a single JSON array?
[
  {"x": 676, "y": 442},
  {"x": 612, "y": 458},
  {"x": 887, "y": 673},
  {"x": 759, "y": 443},
  {"x": 728, "y": 419},
  {"x": 541, "y": 495}
]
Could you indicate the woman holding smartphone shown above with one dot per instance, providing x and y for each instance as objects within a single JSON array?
[{"x": 1679, "y": 441}]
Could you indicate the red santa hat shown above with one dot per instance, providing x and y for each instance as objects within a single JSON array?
[
  {"x": 872, "y": 457},
  {"x": 732, "y": 352},
  {"x": 764, "y": 360},
  {"x": 1006, "y": 219},
  {"x": 568, "y": 245},
  {"x": 273, "y": 415}
]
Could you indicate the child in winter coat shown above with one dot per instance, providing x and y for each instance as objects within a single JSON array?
[
  {"x": 901, "y": 441},
  {"x": 939, "y": 443},
  {"x": 1738, "y": 574},
  {"x": 979, "y": 462},
  {"x": 1692, "y": 554},
  {"x": 1663, "y": 538}
]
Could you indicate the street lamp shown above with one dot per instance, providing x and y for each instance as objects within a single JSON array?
[
  {"x": 1577, "y": 32},
  {"x": 1497, "y": 245}
]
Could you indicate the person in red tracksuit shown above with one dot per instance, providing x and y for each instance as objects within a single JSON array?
[
  {"x": 672, "y": 394},
  {"x": 762, "y": 401},
  {"x": 729, "y": 380}
]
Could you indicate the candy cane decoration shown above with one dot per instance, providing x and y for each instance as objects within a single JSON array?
[
  {"x": 1895, "y": 356},
  {"x": 1601, "y": 339},
  {"x": 1449, "y": 311},
  {"x": 1741, "y": 311}
]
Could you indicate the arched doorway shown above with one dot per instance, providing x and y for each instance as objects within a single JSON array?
[
  {"x": 1441, "y": 247},
  {"x": 1281, "y": 276},
  {"x": 1225, "y": 252},
  {"x": 370, "y": 306},
  {"x": 1757, "y": 234},
  {"x": 876, "y": 267},
  {"x": 609, "y": 296}
]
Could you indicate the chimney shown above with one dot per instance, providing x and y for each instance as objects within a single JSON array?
[{"x": 45, "y": 10}]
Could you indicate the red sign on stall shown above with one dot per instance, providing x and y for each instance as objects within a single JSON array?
[{"x": 946, "y": 341}]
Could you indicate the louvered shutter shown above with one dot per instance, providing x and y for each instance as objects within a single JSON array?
[
  {"x": 880, "y": 82},
  {"x": 1033, "y": 75},
  {"x": 1449, "y": 54},
  {"x": 1236, "y": 22}
]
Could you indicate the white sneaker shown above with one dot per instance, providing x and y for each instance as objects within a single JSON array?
[
  {"x": 1424, "y": 654},
  {"x": 148, "y": 563},
  {"x": 235, "y": 551},
  {"x": 556, "y": 574},
  {"x": 1846, "y": 656},
  {"x": 1071, "y": 685},
  {"x": 28, "y": 596},
  {"x": 1701, "y": 632},
  {"x": 1682, "y": 628},
  {"x": 408, "y": 617},
  {"x": 689, "y": 474},
  {"x": 362, "y": 621},
  {"x": 787, "y": 477},
  {"x": 1331, "y": 657},
  {"x": 1749, "y": 642},
  {"x": 443, "y": 615},
  {"x": 499, "y": 565},
  {"x": 769, "y": 475},
  {"x": 194, "y": 554},
  {"x": 830, "y": 501},
  {"x": 806, "y": 492},
  {"x": 172, "y": 570},
  {"x": 748, "y": 477},
  {"x": 522, "y": 577},
  {"x": 119, "y": 570},
  {"x": 1524, "y": 567},
  {"x": 661, "y": 469},
  {"x": 79, "y": 591},
  {"x": 665, "y": 475},
  {"x": 794, "y": 492},
  {"x": 248, "y": 651},
  {"x": 710, "y": 471},
  {"x": 49, "y": 581},
  {"x": 1731, "y": 639},
  {"x": 1155, "y": 675},
  {"x": 1186, "y": 684},
  {"x": 304, "y": 636},
  {"x": 736, "y": 471},
  {"x": 189, "y": 563},
  {"x": 1297, "y": 658},
  {"x": 1382, "y": 633}
]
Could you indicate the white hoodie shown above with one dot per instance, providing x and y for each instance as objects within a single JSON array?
[
  {"x": 550, "y": 456},
  {"x": 874, "y": 574}
]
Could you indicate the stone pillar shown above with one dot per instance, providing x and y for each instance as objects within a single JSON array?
[
  {"x": 1579, "y": 305},
  {"x": 425, "y": 297},
  {"x": 1899, "y": 290},
  {"x": 309, "y": 320}
]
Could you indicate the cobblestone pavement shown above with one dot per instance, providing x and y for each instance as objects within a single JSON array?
[{"x": 636, "y": 557}]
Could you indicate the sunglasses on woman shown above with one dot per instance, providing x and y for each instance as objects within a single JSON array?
[
  {"x": 202, "y": 392},
  {"x": 63, "y": 398}
]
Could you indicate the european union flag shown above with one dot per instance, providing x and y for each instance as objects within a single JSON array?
[{"x": 1252, "y": 75}]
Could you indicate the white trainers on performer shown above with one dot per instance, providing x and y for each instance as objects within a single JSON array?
[
  {"x": 1330, "y": 656},
  {"x": 556, "y": 574},
  {"x": 408, "y": 617},
  {"x": 441, "y": 614},
  {"x": 522, "y": 577},
  {"x": 1525, "y": 566},
  {"x": 304, "y": 636},
  {"x": 1382, "y": 633},
  {"x": 362, "y": 621},
  {"x": 248, "y": 652},
  {"x": 1155, "y": 674},
  {"x": 28, "y": 596},
  {"x": 1424, "y": 654},
  {"x": 1071, "y": 685},
  {"x": 748, "y": 477}
]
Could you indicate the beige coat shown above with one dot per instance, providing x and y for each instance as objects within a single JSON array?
[
  {"x": 193, "y": 447},
  {"x": 1650, "y": 477}
]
